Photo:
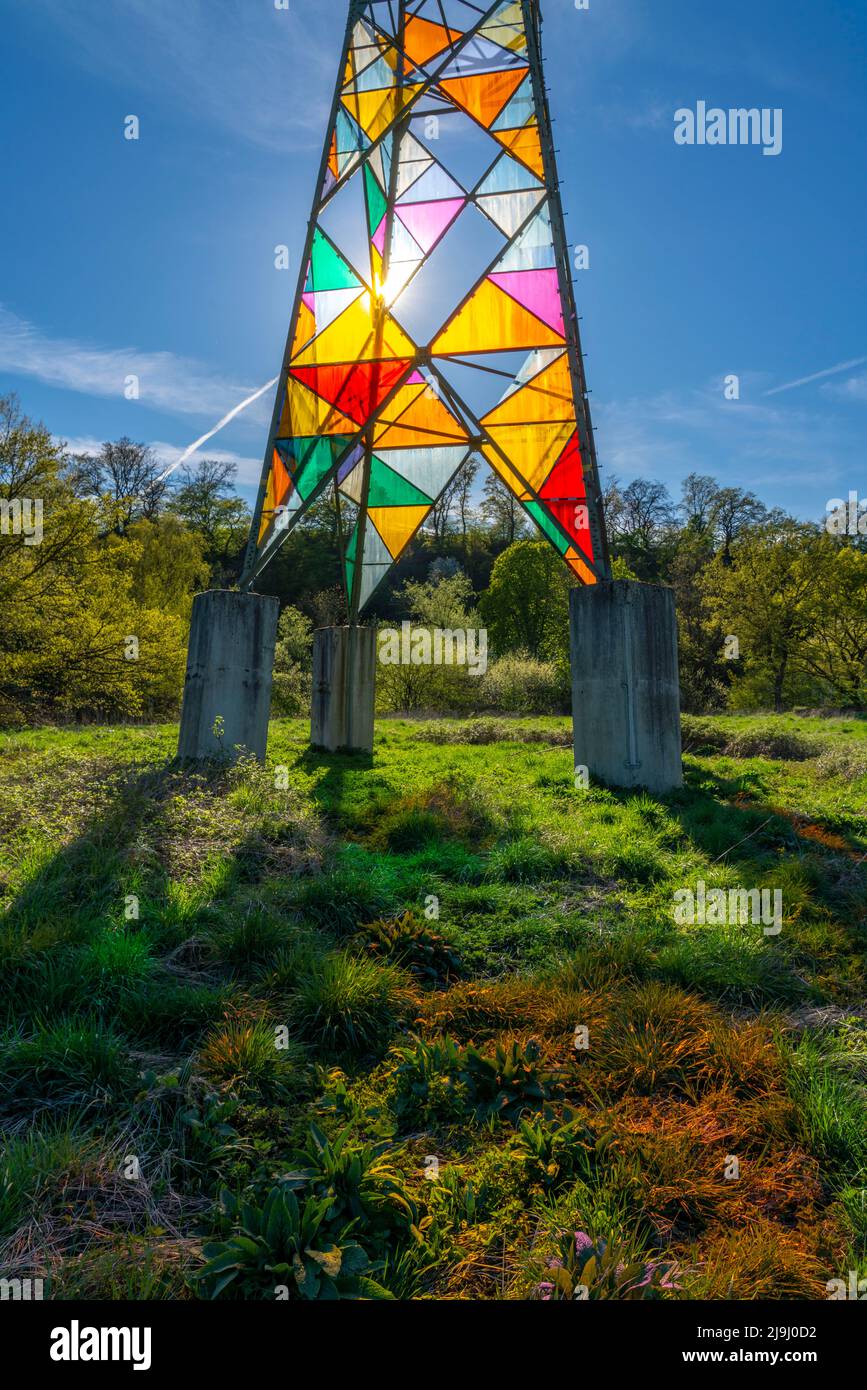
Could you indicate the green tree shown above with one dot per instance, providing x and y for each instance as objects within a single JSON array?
[{"x": 526, "y": 607}]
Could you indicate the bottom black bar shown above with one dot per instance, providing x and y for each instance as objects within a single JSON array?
[{"x": 152, "y": 1338}]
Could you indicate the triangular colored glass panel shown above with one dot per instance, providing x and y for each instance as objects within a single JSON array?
[
  {"x": 424, "y": 40},
  {"x": 428, "y": 221},
  {"x": 531, "y": 449},
  {"x": 397, "y": 525},
  {"x": 538, "y": 291},
  {"x": 507, "y": 176},
  {"x": 533, "y": 249},
  {"x": 358, "y": 389},
  {"x": 485, "y": 95},
  {"x": 548, "y": 396},
  {"x": 328, "y": 269},
  {"x": 354, "y": 338},
  {"x": 377, "y": 204},
  {"x": 509, "y": 211},
  {"x": 566, "y": 479},
  {"x": 305, "y": 413},
  {"x": 492, "y": 321},
  {"x": 525, "y": 145}
]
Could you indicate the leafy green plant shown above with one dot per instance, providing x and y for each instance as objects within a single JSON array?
[
  {"x": 409, "y": 942},
  {"x": 283, "y": 1245},
  {"x": 508, "y": 1083},
  {"x": 556, "y": 1152},
  {"x": 429, "y": 1083},
  {"x": 359, "y": 1180},
  {"x": 503, "y": 1085}
]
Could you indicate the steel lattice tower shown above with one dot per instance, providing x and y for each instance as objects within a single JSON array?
[{"x": 361, "y": 403}]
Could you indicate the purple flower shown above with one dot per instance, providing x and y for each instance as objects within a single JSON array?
[{"x": 582, "y": 1243}]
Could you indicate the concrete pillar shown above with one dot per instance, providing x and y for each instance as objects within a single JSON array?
[
  {"x": 344, "y": 688},
  {"x": 227, "y": 694},
  {"x": 625, "y": 688}
]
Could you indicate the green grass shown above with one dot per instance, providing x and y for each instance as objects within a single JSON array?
[{"x": 162, "y": 929}]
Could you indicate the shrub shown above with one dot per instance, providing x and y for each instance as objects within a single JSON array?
[
  {"x": 245, "y": 1055},
  {"x": 845, "y": 760},
  {"x": 408, "y": 941},
  {"x": 518, "y": 684},
  {"x": 292, "y": 664},
  {"x": 359, "y": 1181},
  {"x": 345, "y": 1003}
]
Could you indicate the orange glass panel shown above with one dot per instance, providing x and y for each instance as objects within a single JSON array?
[
  {"x": 525, "y": 145},
  {"x": 424, "y": 40},
  {"x": 419, "y": 418},
  {"x": 485, "y": 94}
]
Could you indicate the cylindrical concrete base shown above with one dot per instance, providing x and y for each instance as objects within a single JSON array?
[
  {"x": 344, "y": 688},
  {"x": 625, "y": 687},
  {"x": 227, "y": 694}
]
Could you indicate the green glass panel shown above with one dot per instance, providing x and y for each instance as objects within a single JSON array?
[
  {"x": 389, "y": 489},
  {"x": 554, "y": 534}
]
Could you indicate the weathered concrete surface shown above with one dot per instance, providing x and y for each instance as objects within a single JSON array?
[
  {"x": 625, "y": 689},
  {"x": 227, "y": 694},
  {"x": 344, "y": 689}
]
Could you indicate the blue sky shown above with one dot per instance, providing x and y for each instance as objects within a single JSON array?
[{"x": 156, "y": 257}]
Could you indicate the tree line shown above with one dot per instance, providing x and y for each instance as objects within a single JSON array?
[{"x": 772, "y": 610}]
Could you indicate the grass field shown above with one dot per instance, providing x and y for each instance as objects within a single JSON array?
[{"x": 330, "y": 1029}]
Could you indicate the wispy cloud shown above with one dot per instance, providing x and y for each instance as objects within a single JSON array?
[
  {"x": 818, "y": 376},
  {"x": 789, "y": 456},
  {"x": 251, "y": 69},
  {"x": 166, "y": 381}
]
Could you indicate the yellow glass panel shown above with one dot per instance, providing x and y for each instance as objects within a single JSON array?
[
  {"x": 492, "y": 321},
  {"x": 500, "y": 466},
  {"x": 533, "y": 449},
  {"x": 375, "y": 111},
  {"x": 352, "y": 337},
  {"x": 304, "y": 328},
  {"x": 396, "y": 525},
  {"x": 305, "y": 414},
  {"x": 547, "y": 396}
]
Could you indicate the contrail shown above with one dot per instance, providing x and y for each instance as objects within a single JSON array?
[
  {"x": 216, "y": 430},
  {"x": 817, "y": 376}
]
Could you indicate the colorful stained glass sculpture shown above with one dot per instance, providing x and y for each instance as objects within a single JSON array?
[{"x": 372, "y": 399}]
